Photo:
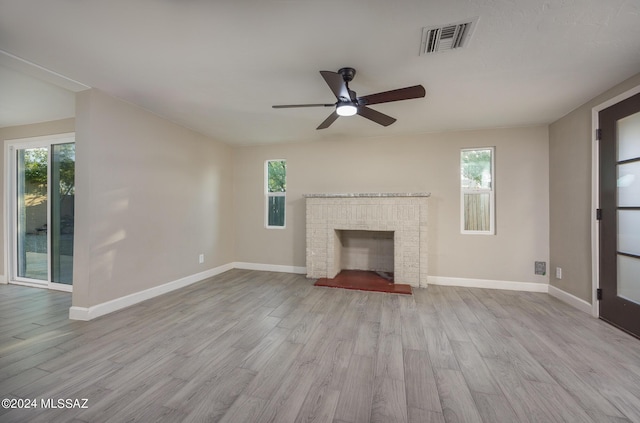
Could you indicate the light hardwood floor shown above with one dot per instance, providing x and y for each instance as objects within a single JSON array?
[{"x": 251, "y": 346}]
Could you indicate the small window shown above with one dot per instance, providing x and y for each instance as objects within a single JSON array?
[
  {"x": 477, "y": 191},
  {"x": 275, "y": 192}
]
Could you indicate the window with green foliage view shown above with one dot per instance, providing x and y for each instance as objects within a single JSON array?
[
  {"x": 477, "y": 202},
  {"x": 276, "y": 189}
]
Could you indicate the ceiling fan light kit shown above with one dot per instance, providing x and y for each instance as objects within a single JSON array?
[
  {"x": 346, "y": 109},
  {"x": 349, "y": 104}
]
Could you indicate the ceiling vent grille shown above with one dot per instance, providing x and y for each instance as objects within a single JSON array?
[{"x": 447, "y": 37}]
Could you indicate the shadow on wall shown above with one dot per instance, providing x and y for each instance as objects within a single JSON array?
[{"x": 109, "y": 233}]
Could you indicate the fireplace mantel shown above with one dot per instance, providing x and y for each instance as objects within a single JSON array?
[
  {"x": 404, "y": 214},
  {"x": 369, "y": 195}
]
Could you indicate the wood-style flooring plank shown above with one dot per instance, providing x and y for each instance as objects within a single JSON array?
[
  {"x": 560, "y": 403},
  {"x": 140, "y": 401},
  {"x": 417, "y": 415},
  {"x": 319, "y": 405},
  {"x": 582, "y": 391},
  {"x": 28, "y": 362},
  {"x": 216, "y": 397},
  {"x": 25, "y": 377},
  {"x": 356, "y": 395},
  {"x": 413, "y": 337},
  {"x": 251, "y": 346},
  {"x": 624, "y": 400},
  {"x": 268, "y": 379},
  {"x": 288, "y": 399},
  {"x": 389, "y": 358},
  {"x": 334, "y": 363},
  {"x": 457, "y": 403},
  {"x": 317, "y": 344},
  {"x": 390, "y": 321},
  {"x": 440, "y": 350},
  {"x": 476, "y": 374},
  {"x": 244, "y": 409},
  {"x": 525, "y": 402},
  {"x": 389, "y": 401},
  {"x": 257, "y": 358},
  {"x": 494, "y": 408},
  {"x": 421, "y": 387},
  {"x": 367, "y": 338}
]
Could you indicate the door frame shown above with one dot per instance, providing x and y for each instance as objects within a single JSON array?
[
  {"x": 595, "y": 194},
  {"x": 10, "y": 203}
]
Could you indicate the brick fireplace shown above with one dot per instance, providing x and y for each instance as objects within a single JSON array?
[{"x": 400, "y": 216}]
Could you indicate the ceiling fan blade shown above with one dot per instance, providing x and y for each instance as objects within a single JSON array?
[
  {"x": 289, "y": 106},
  {"x": 335, "y": 81},
  {"x": 328, "y": 121},
  {"x": 376, "y": 116},
  {"x": 407, "y": 93}
]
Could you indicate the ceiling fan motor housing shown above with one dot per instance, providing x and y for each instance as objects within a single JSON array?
[{"x": 347, "y": 74}]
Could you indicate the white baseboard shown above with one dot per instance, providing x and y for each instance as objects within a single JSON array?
[
  {"x": 89, "y": 313},
  {"x": 3, "y": 279},
  {"x": 570, "y": 299},
  {"x": 270, "y": 267},
  {"x": 488, "y": 283}
]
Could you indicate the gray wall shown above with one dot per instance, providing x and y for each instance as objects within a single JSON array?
[
  {"x": 424, "y": 162},
  {"x": 570, "y": 151},
  {"x": 150, "y": 197}
]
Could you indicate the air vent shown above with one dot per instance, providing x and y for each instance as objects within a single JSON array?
[{"x": 447, "y": 37}]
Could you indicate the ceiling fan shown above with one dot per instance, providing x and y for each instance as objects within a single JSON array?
[{"x": 349, "y": 104}]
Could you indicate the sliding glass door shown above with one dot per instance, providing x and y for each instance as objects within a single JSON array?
[
  {"x": 41, "y": 175},
  {"x": 63, "y": 160},
  {"x": 32, "y": 245}
]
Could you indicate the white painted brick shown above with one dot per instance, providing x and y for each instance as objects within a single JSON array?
[{"x": 405, "y": 216}]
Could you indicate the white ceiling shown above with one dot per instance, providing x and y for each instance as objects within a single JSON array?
[{"x": 218, "y": 66}]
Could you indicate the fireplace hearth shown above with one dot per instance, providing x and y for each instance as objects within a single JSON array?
[{"x": 364, "y": 281}]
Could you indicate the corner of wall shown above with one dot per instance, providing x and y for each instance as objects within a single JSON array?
[{"x": 570, "y": 299}]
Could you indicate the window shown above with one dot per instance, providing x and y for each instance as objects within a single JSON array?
[
  {"x": 477, "y": 191},
  {"x": 275, "y": 192}
]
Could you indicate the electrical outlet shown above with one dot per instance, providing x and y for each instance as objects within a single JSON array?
[
  {"x": 201, "y": 259},
  {"x": 558, "y": 272},
  {"x": 541, "y": 268}
]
